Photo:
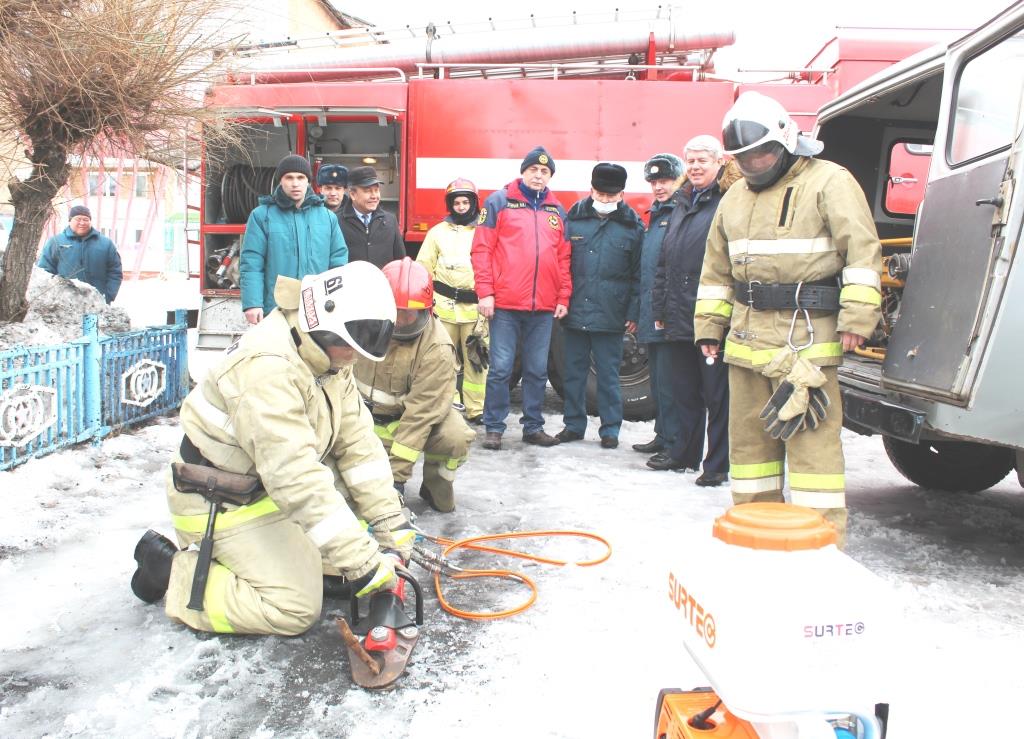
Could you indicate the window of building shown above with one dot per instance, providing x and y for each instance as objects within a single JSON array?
[
  {"x": 138, "y": 236},
  {"x": 105, "y": 185},
  {"x": 142, "y": 185}
]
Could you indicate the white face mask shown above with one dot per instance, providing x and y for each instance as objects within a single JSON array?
[{"x": 605, "y": 208}]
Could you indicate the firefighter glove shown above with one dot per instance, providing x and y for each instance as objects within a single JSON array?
[
  {"x": 784, "y": 413},
  {"x": 382, "y": 578},
  {"x": 392, "y": 531},
  {"x": 478, "y": 345}
]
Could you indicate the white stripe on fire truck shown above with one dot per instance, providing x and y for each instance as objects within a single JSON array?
[{"x": 434, "y": 173}]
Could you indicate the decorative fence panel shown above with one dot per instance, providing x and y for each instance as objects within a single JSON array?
[{"x": 54, "y": 396}]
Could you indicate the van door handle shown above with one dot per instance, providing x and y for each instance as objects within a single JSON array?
[{"x": 997, "y": 201}]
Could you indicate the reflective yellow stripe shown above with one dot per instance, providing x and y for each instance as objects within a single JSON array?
[
  {"x": 715, "y": 292},
  {"x": 196, "y": 524},
  {"x": 817, "y": 245},
  {"x": 215, "y": 599},
  {"x": 861, "y": 294},
  {"x": 452, "y": 463},
  {"x": 713, "y": 308},
  {"x": 759, "y": 469},
  {"x": 862, "y": 276},
  {"x": 818, "y": 500},
  {"x": 815, "y": 481},
  {"x": 472, "y": 386},
  {"x": 405, "y": 452},
  {"x": 387, "y": 433},
  {"x": 444, "y": 312},
  {"x": 763, "y": 356}
]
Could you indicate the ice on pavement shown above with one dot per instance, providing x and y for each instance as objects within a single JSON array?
[{"x": 80, "y": 656}]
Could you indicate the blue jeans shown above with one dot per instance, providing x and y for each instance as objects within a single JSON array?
[
  {"x": 579, "y": 348},
  {"x": 507, "y": 328},
  {"x": 666, "y": 420}
]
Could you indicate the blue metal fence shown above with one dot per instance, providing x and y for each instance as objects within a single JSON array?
[{"x": 54, "y": 396}]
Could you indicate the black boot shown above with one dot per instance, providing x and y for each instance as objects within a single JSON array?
[
  {"x": 154, "y": 554},
  {"x": 650, "y": 447}
]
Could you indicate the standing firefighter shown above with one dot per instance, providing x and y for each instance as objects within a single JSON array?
[
  {"x": 410, "y": 392},
  {"x": 792, "y": 272},
  {"x": 278, "y": 441},
  {"x": 446, "y": 255}
]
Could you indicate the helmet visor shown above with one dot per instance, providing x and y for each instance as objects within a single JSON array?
[
  {"x": 371, "y": 335},
  {"x": 740, "y": 134},
  {"x": 410, "y": 323}
]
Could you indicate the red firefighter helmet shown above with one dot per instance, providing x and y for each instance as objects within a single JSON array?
[
  {"x": 462, "y": 186},
  {"x": 414, "y": 296}
]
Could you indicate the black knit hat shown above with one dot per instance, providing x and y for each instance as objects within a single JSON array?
[
  {"x": 538, "y": 155},
  {"x": 608, "y": 178},
  {"x": 79, "y": 210},
  {"x": 663, "y": 167},
  {"x": 332, "y": 174},
  {"x": 292, "y": 163}
]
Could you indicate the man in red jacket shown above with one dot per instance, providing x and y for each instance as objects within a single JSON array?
[{"x": 521, "y": 262}]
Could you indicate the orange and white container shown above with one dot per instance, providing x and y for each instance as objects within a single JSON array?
[{"x": 783, "y": 624}]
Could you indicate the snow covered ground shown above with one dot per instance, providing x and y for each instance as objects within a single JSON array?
[{"x": 80, "y": 656}]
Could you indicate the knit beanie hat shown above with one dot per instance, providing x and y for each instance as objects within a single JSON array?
[
  {"x": 539, "y": 155},
  {"x": 79, "y": 210},
  {"x": 292, "y": 163}
]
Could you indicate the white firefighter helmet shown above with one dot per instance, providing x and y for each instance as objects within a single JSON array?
[
  {"x": 757, "y": 119},
  {"x": 349, "y": 306}
]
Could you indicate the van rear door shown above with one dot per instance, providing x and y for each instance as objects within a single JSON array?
[{"x": 964, "y": 235}]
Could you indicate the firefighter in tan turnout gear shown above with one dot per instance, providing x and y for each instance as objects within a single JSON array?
[
  {"x": 410, "y": 393},
  {"x": 280, "y": 420},
  {"x": 791, "y": 280}
]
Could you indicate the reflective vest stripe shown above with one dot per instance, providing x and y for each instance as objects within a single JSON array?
[
  {"x": 332, "y": 525},
  {"x": 862, "y": 276},
  {"x": 763, "y": 356},
  {"x": 405, "y": 452},
  {"x": 758, "y": 469},
  {"x": 861, "y": 294},
  {"x": 196, "y": 524},
  {"x": 716, "y": 292},
  {"x": 215, "y": 600},
  {"x": 713, "y": 308},
  {"x": 817, "y": 481},
  {"x": 211, "y": 414},
  {"x": 377, "y": 469},
  {"x": 819, "y": 500},
  {"x": 379, "y": 396},
  {"x": 817, "y": 245}
]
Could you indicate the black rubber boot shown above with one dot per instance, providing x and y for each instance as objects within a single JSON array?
[{"x": 154, "y": 554}]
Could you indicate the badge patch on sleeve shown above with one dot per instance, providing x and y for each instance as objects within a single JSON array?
[
  {"x": 554, "y": 221},
  {"x": 483, "y": 215},
  {"x": 309, "y": 306}
]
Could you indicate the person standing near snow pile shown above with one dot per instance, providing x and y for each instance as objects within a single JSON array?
[
  {"x": 289, "y": 233},
  {"x": 81, "y": 252},
  {"x": 792, "y": 272},
  {"x": 283, "y": 410},
  {"x": 410, "y": 392}
]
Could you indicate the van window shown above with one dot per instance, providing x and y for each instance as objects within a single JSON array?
[
  {"x": 986, "y": 100},
  {"x": 908, "y": 175}
]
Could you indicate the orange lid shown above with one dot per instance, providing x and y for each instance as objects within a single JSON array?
[{"x": 778, "y": 526}]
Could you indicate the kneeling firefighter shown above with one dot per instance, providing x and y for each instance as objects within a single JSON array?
[
  {"x": 410, "y": 392},
  {"x": 280, "y": 467}
]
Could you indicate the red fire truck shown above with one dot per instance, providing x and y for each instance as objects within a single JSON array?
[{"x": 427, "y": 106}]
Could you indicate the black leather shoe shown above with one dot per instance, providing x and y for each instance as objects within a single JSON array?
[
  {"x": 650, "y": 447},
  {"x": 664, "y": 462},
  {"x": 154, "y": 554},
  {"x": 492, "y": 440},
  {"x": 609, "y": 442},
  {"x": 541, "y": 438},
  {"x": 565, "y": 436},
  {"x": 711, "y": 479}
]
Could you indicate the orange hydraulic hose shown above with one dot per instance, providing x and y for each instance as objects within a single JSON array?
[{"x": 473, "y": 543}]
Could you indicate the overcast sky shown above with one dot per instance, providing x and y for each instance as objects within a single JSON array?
[{"x": 763, "y": 37}]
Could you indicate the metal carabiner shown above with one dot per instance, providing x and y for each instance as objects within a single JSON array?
[{"x": 807, "y": 323}]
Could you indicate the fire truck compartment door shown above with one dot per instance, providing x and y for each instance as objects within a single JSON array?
[{"x": 955, "y": 281}]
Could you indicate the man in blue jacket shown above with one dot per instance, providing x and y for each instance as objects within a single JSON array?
[
  {"x": 606, "y": 236},
  {"x": 289, "y": 233},
  {"x": 80, "y": 252},
  {"x": 664, "y": 172}
]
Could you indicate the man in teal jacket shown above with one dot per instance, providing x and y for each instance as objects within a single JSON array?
[
  {"x": 80, "y": 252},
  {"x": 289, "y": 233}
]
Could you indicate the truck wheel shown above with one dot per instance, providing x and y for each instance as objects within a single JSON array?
[
  {"x": 637, "y": 400},
  {"x": 952, "y": 466}
]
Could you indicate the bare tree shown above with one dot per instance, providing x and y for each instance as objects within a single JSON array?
[{"x": 81, "y": 78}]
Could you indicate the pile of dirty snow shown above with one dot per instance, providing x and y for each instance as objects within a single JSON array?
[{"x": 56, "y": 307}]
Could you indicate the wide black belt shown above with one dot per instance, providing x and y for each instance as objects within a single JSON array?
[
  {"x": 814, "y": 295},
  {"x": 380, "y": 420},
  {"x": 458, "y": 294}
]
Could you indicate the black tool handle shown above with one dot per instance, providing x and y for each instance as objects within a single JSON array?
[
  {"x": 407, "y": 576},
  {"x": 202, "y": 573}
]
